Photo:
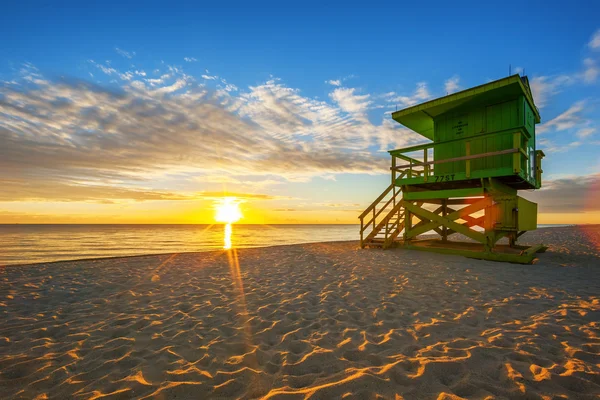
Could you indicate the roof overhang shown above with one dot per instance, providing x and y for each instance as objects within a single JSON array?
[{"x": 420, "y": 118}]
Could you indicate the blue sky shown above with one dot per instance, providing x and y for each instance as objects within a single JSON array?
[{"x": 309, "y": 81}]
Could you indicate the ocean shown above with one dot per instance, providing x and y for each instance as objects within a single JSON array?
[{"x": 24, "y": 244}]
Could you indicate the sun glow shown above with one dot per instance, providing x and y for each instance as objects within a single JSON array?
[{"x": 228, "y": 210}]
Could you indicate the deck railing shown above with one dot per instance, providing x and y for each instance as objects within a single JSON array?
[{"x": 406, "y": 167}]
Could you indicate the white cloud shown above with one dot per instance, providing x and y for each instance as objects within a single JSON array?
[
  {"x": 158, "y": 81},
  {"x": 585, "y": 132},
  {"x": 104, "y": 68},
  {"x": 567, "y": 120},
  {"x": 544, "y": 87},
  {"x": 419, "y": 95},
  {"x": 595, "y": 40},
  {"x": 568, "y": 194},
  {"x": 591, "y": 71},
  {"x": 126, "y": 76},
  {"x": 190, "y": 59},
  {"x": 58, "y": 134},
  {"x": 570, "y": 120},
  {"x": 551, "y": 147},
  {"x": 349, "y": 101},
  {"x": 335, "y": 82},
  {"x": 210, "y": 77},
  {"x": 451, "y": 85},
  {"x": 178, "y": 84},
  {"x": 126, "y": 54}
]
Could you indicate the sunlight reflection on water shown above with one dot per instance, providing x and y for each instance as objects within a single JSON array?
[
  {"x": 21, "y": 244},
  {"x": 227, "y": 237}
]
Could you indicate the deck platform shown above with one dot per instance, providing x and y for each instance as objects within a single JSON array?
[{"x": 503, "y": 253}]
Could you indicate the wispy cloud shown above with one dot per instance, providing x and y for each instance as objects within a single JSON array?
[
  {"x": 566, "y": 120},
  {"x": 569, "y": 195},
  {"x": 544, "y": 87},
  {"x": 349, "y": 101},
  {"x": 420, "y": 94},
  {"x": 107, "y": 69},
  {"x": 451, "y": 85},
  {"x": 126, "y": 54},
  {"x": 242, "y": 196},
  {"x": 189, "y": 59},
  {"x": 591, "y": 70},
  {"x": 71, "y": 140},
  {"x": 595, "y": 41},
  {"x": 334, "y": 82},
  {"x": 585, "y": 132}
]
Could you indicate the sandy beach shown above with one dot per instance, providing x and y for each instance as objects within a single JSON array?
[{"x": 319, "y": 321}]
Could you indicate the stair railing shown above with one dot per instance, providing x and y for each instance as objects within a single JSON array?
[{"x": 378, "y": 211}]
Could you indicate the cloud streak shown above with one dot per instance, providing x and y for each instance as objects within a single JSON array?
[
  {"x": 126, "y": 54},
  {"x": 569, "y": 195}
]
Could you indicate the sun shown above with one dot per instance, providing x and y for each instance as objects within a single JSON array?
[{"x": 228, "y": 210}]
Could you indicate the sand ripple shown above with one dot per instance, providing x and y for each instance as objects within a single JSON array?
[{"x": 317, "y": 321}]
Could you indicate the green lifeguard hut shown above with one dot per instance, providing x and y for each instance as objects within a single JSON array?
[{"x": 482, "y": 150}]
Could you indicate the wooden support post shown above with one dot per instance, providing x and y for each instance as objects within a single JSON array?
[
  {"x": 407, "y": 224},
  {"x": 361, "y": 233},
  {"x": 426, "y": 174},
  {"x": 444, "y": 214},
  {"x": 373, "y": 218},
  {"x": 394, "y": 170}
]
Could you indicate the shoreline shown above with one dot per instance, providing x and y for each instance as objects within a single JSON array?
[{"x": 236, "y": 248}]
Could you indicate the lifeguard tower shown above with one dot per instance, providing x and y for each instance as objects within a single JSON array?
[{"x": 482, "y": 150}]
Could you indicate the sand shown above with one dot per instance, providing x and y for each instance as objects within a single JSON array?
[{"x": 319, "y": 321}]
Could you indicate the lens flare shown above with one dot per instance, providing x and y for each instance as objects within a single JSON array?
[{"x": 228, "y": 210}]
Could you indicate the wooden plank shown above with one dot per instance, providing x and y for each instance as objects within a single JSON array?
[
  {"x": 480, "y": 205},
  {"x": 437, "y": 194},
  {"x": 463, "y": 158},
  {"x": 393, "y": 236},
  {"x": 469, "y": 200},
  {"x": 470, "y": 221},
  {"x": 448, "y": 221},
  {"x": 384, "y": 221},
  {"x": 410, "y": 149},
  {"x": 438, "y": 210}
]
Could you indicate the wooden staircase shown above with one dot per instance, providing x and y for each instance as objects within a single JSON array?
[{"x": 383, "y": 221}]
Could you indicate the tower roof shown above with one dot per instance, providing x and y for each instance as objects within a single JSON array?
[{"x": 419, "y": 118}]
